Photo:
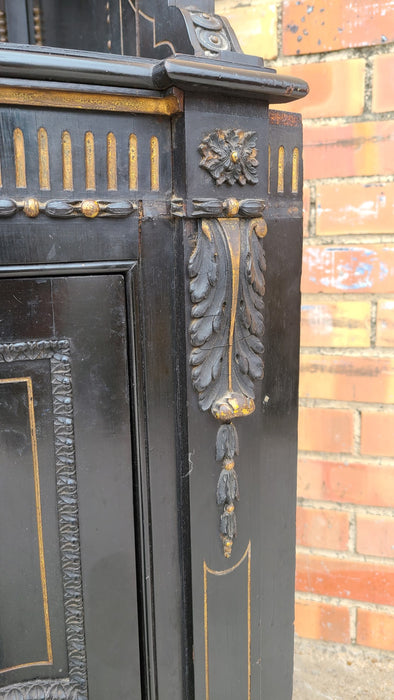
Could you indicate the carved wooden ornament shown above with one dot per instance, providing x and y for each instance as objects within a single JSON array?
[{"x": 227, "y": 287}]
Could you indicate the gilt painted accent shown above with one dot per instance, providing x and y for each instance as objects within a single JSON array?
[
  {"x": 43, "y": 159},
  {"x": 295, "y": 170},
  {"x": 112, "y": 171},
  {"x": 154, "y": 164},
  {"x": 67, "y": 161},
  {"x": 133, "y": 162},
  {"x": 19, "y": 157},
  {"x": 90, "y": 167},
  {"x": 227, "y": 287}
]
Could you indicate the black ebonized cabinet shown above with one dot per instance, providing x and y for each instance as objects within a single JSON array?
[{"x": 150, "y": 253}]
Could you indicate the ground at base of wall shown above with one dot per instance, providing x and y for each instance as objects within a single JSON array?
[{"x": 328, "y": 672}]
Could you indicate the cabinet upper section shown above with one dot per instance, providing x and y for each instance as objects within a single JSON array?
[{"x": 148, "y": 44}]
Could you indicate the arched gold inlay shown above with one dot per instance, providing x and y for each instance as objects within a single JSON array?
[
  {"x": 207, "y": 570},
  {"x": 67, "y": 161},
  {"x": 133, "y": 162},
  {"x": 112, "y": 174},
  {"x": 90, "y": 165},
  {"x": 19, "y": 156},
  {"x": 43, "y": 160},
  {"x": 154, "y": 164},
  {"x": 269, "y": 168},
  {"x": 295, "y": 170},
  {"x": 281, "y": 169}
]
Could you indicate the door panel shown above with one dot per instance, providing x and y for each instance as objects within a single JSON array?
[{"x": 68, "y": 600}]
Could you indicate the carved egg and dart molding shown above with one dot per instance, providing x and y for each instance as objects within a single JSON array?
[{"x": 227, "y": 286}]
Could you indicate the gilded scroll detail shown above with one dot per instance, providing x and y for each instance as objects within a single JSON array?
[
  {"x": 230, "y": 156},
  {"x": 227, "y": 287}
]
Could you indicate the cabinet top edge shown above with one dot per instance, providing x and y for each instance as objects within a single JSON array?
[{"x": 191, "y": 73}]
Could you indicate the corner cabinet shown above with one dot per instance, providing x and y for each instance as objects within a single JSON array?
[{"x": 150, "y": 243}]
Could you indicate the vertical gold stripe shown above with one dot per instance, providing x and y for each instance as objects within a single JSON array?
[
  {"x": 112, "y": 174},
  {"x": 154, "y": 164},
  {"x": 281, "y": 169},
  {"x": 249, "y": 620},
  {"x": 206, "y": 632},
  {"x": 90, "y": 166},
  {"x": 232, "y": 235},
  {"x": 133, "y": 162},
  {"x": 67, "y": 161},
  {"x": 247, "y": 554},
  {"x": 295, "y": 170},
  {"x": 43, "y": 160},
  {"x": 37, "y": 492},
  {"x": 19, "y": 155},
  {"x": 269, "y": 169},
  {"x": 39, "y": 517}
]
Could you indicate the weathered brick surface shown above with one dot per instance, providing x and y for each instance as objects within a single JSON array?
[
  {"x": 354, "y": 208},
  {"x": 368, "y": 582},
  {"x": 324, "y": 99},
  {"x": 322, "y": 529},
  {"x": 322, "y": 621},
  {"x": 375, "y": 535},
  {"x": 255, "y": 24},
  {"x": 314, "y": 26},
  {"x": 337, "y": 324},
  {"x": 385, "y": 323},
  {"x": 383, "y": 83},
  {"x": 359, "y": 483},
  {"x": 377, "y": 433},
  {"x": 368, "y": 379},
  {"x": 342, "y": 268},
  {"x": 324, "y": 429},
  {"x": 375, "y": 629},
  {"x": 349, "y": 196},
  {"x": 346, "y": 150}
]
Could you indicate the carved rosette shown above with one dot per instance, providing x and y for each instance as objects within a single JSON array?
[
  {"x": 227, "y": 287},
  {"x": 230, "y": 156}
]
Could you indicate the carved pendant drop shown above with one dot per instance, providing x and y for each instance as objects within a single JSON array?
[{"x": 227, "y": 287}]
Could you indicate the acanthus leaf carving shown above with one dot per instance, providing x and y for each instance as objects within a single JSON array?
[{"x": 227, "y": 287}]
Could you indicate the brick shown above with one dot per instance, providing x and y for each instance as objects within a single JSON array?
[
  {"x": 325, "y": 430},
  {"x": 375, "y": 629},
  {"x": 368, "y": 379},
  {"x": 377, "y": 433},
  {"x": 348, "y": 268},
  {"x": 251, "y": 24},
  {"x": 346, "y": 150},
  {"x": 314, "y": 26},
  {"x": 307, "y": 208},
  {"x": 337, "y": 324},
  {"x": 351, "y": 580},
  {"x": 383, "y": 83},
  {"x": 385, "y": 323},
  {"x": 354, "y": 208},
  {"x": 329, "y": 623},
  {"x": 324, "y": 99},
  {"x": 342, "y": 482},
  {"x": 375, "y": 535},
  {"x": 322, "y": 529}
]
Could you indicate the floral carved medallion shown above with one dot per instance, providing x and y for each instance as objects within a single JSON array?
[{"x": 230, "y": 156}]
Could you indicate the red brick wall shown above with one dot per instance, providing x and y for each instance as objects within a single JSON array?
[{"x": 345, "y": 526}]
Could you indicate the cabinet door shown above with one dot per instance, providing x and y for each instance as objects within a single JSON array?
[{"x": 68, "y": 599}]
